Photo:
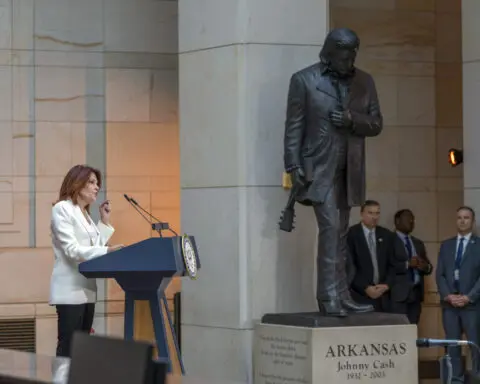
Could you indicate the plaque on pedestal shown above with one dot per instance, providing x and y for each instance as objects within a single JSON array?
[{"x": 371, "y": 348}]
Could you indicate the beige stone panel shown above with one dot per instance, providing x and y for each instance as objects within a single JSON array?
[
  {"x": 6, "y": 149},
  {"x": 55, "y": 145},
  {"x": 449, "y": 37},
  {"x": 470, "y": 30},
  {"x": 23, "y": 22},
  {"x": 448, "y": 6},
  {"x": 416, "y": 5},
  {"x": 45, "y": 310},
  {"x": 448, "y": 138},
  {"x": 48, "y": 183},
  {"x": 417, "y": 184},
  {"x": 6, "y": 208},
  {"x": 153, "y": 26},
  {"x": 34, "y": 266},
  {"x": 449, "y": 95},
  {"x": 382, "y": 184},
  {"x": 416, "y": 101},
  {"x": 387, "y": 88},
  {"x": 382, "y": 155},
  {"x": 429, "y": 327},
  {"x": 23, "y": 93},
  {"x": 142, "y": 183},
  {"x": 164, "y": 97},
  {"x": 23, "y": 149},
  {"x": 6, "y": 24},
  {"x": 6, "y": 80},
  {"x": 46, "y": 331},
  {"x": 142, "y": 149},
  {"x": 128, "y": 94},
  {"x": 114, "y": 291},
  {"x": 69, "y": 59},
  {"x": 17, "y": 233},
  {"x": 424, "y": 206},
  {"x": 43, "y": 214},
  {"x": 69, "y": 94},
  {"x": 449, "y": 184},
  {"x": 364, "y": 4},
  {"x": 448, "y": 202},
  {"x": 69, "y": 25},
  {"x": 169, "y": 199},
  {"x": 158, "y": 61},
  {"x": 394, "y": 68},
  {"x": 114, "y": 324},
  {"x": 391, "y": 35},
  {"x": 417, "y": 152},
  {"x": 114, "y": 306},
  {"x": 15, "y": 311}
]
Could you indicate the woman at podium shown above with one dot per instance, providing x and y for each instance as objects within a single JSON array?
[{"x": 76, "y": 238}]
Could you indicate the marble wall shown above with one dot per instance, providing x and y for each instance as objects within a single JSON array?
[
  {"x": 413, "y": 50},
  {"x": 82, "y": 81}
]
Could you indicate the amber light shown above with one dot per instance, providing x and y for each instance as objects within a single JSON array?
[{"x": 455, "y": 157}]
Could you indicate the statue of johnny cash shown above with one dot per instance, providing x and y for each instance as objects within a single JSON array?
[{"x": 332, "y": 107}]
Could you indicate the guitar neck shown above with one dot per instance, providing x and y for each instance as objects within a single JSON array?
[{"x": 291, "y": 199}]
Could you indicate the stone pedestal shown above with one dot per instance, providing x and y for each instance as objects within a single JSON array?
[{"x": 372, "y": 348}]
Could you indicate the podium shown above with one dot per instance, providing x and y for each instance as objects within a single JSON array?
[{"x": 143, "y": 270}]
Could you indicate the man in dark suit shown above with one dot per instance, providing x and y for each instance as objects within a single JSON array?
[
  {"x": 408, "y": 291},
  {"x": 371, "y": 249},
  {"x": 458, "y": 282}
]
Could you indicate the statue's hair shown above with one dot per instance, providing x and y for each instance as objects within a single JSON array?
[{"x": 339, "y": 38}]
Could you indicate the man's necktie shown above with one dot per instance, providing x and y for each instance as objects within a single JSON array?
[
  {"x": 409, "y": 249},
  {"x": 372, "y": 245},
  {"x": 458, "y": 260}
]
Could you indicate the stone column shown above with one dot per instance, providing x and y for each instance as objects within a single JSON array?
[
  {"x": 471, "y": 94},
  {"x": 235, "y": 61}
]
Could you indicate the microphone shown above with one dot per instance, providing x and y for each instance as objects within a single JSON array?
[
  {"x": 158, "y": 226},
  {"x": 432, "y": 343}
]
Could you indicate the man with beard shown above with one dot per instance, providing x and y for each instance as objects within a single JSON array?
[{"x": 332, "y": 107}]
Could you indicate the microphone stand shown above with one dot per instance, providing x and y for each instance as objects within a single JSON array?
[
  {"x": 159, "y": 226},
  {"x": 446, "y": 370}
]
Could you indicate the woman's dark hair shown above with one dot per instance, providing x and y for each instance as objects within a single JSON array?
[{"x": 76, "y": 178}]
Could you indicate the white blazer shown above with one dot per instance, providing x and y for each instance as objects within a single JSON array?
[{"x": 74, "y": 240}]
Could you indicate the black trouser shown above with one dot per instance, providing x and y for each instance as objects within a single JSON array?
[
  {"x": 332, "y": 219},
  {"x": 457, "y": 321},
  {"x": 72, "y": 318},
  {"x": 412, "y": 307}
]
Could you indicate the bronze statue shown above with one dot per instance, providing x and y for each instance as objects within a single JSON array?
[{"x": 332, "y": 107}]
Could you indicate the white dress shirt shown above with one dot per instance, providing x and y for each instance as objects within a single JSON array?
[{"x": 74, "y": 240}]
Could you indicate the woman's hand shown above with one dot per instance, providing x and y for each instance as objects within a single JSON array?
[{"x": 105, "y": 209}]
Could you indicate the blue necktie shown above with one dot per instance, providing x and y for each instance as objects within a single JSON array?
[
  {"x": 458, "y": 260},
  {"x": 408, "y": 247}
]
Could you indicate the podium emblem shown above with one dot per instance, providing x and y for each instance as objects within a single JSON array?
[{"x": 189, "y": 257}]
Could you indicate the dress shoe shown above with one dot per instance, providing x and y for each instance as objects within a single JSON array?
[
  {"x": 332, "y": 308},
  {"x": 352, "y": 306}
]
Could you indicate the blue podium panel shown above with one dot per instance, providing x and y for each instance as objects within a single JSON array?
[{"x": 143, "y": 270}]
